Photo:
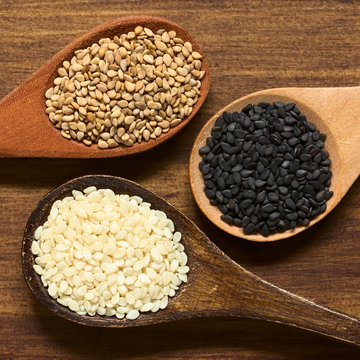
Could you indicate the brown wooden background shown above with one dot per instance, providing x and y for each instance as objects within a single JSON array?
[{"x": 250, "y": 45}]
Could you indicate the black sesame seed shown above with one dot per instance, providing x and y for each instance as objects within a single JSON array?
[
  {"x": 246, "y": 173},
  {"x": 318, "y": 157},
  {"x": 266, "y": 168},
  {"x": 278, "y": 126},
  {"x": 281, "y": 112},
  {"x": 247, "y": 146},
  {"x": 210, "y": 193},
  {"x": 261, "y": 197},
  {"x": 201, "y": 165},
  {"x": 273, "y": 196},
  {"x": 265, "y": 230},
  {"x": 304, "y": 137},
  {"x": 246, "y": 108},
  {"x": 236, "y": 222},
  {"x": 237, "y": 178},
  {"x": 283, "y": 190},
  {"x": 245, "y": 221},
  {"x": 219, "y": 197},
  {"x": 231, "y": 204},
  {"x": 244, "y": 121},
  {"x": 268, "y": 207},
  {"x": 289, "y": 120},
  {"x": 263, "y": 104},
  {"x": 245, "y": 203},
  {"x": 320, "y": 196},
  {"x": 294, "y": 184},
  {"x": 311, "y": 126},
  {"x": 274, "y": 215},
  {"x": 301, "y": 173},
  {"x": 328, "y": 195},
  {"x": 235, "y": 189},
  {"x": 278, "y": 104},
  {"x": 230, "y": 138},
  {"x": 249, "y": 194},
  {"x": 216, "y": 134},
  {"x": 226, "y": 218},
  {"x": 227, "y": 117},
  {"x": 209, "y": 184},
  {"x": 290, "y": 203},
  {"x": 204, "y": 150},
  {"x": 205, "y": 169},
  {"x": 292, "y": 216},
  {"x": 260, "y": 124},
  {"x": 260, "y": 183},
  {"x": 223, "y": 208},
  {"x": 295, "y": 195},
  {"x": 210, "y": 142},
  {"x": 249, "y": 229},
  {"x": 316, "y": 135},
  {"x": 288, "y": 179},
  {"x": 291, "y": 106},
  {"x": 271, "y": 179},
  {"x": 286, "y": 134},
  {"x": 219, "y": 121},
  {"x": 236, "y": 168},
  {"x": 314, "y": 151},
  {"x": 258, "y": 109},
  {"x": 293, "y": 141},
  {"x": 227, "y": 193},
  {"x": 250, "y": 210},
  {"x": 221, "y": 183}
]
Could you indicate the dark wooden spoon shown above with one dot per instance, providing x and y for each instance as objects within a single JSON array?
[
  {"x": 216, "y": 286},
  {"x": 26, "y": 130}
]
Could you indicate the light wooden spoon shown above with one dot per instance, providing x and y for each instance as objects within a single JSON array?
[
  {"x": 216, "y": 286},
  {"x": 334, "y": 111},
  {"x": 26, "y": 130}
]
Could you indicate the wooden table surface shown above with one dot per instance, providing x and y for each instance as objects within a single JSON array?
[{"x": 250, "y": 45}]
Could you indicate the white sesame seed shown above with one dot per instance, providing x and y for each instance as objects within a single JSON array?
[
  {"x": 164, "y": 302},
  {"x": 156, "y": 306},
  {"x": 132, "y": 315},
  {"x": 109, "y": 254},
  {"x": 37, "y": 233},
  {"x": 35, "y": 248},
  {"x": 177, "y": 237},
  {"x": 89, "y": 189},
  {"x": 52, "y": 290},
  {"x": 146, "y": 307},
  {"x": 38, "y": 269},
  {"x": 73, "y": 305}
]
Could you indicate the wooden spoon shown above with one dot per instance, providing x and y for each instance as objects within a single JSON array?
[
  {"x": 216, "y": 286},
  {"x": 26, "y": 130},
  {"x": 333, "y": 110}
]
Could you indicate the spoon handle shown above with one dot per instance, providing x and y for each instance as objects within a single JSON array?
[
  {"x": 278, "y": 305},
  {"x": 241, "y": 293}
]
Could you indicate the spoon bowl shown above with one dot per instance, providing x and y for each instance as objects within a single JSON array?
[
  {"x": 26, "y": 130},
  {"x": 216, "y": 286},
  {"x": 333, "y": 111}
]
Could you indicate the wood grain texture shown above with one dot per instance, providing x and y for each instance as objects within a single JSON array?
[{"x": 250, "y": 45}]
